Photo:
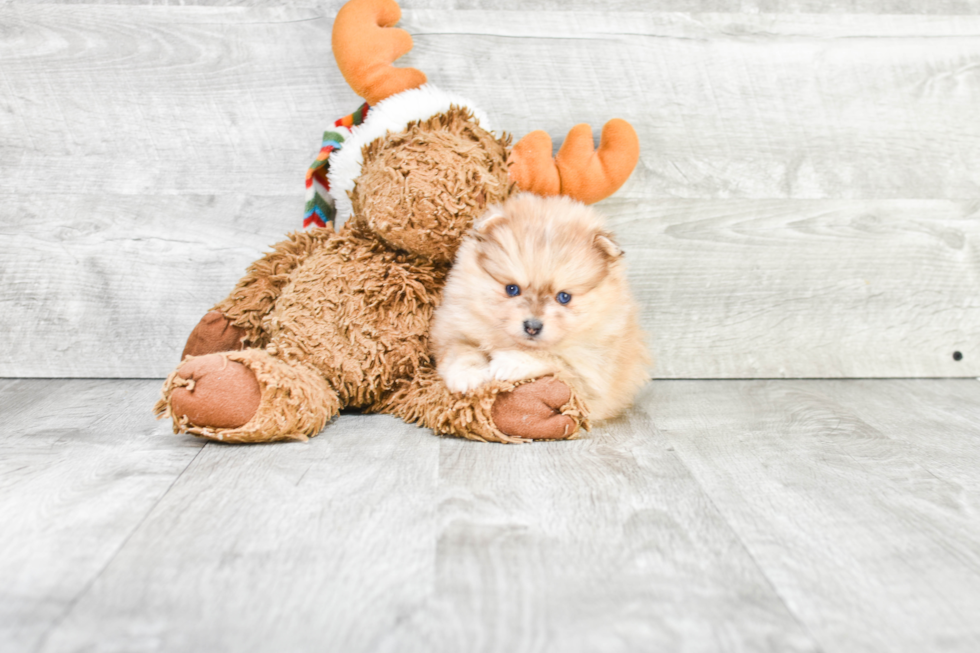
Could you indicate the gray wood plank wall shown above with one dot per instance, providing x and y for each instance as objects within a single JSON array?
[{"x": 807, "y": 203}]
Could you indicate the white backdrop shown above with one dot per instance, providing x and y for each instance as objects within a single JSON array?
[{"x": 807, "y": 202}]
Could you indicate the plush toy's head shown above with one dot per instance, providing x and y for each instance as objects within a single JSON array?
[
  {"x": 424, "y": 164},
  {"x": 420, "y": 189}
]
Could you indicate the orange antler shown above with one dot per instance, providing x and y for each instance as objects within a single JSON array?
[
  {"x": 578, "y": 170},
  {"x": 365, "y": 45}
]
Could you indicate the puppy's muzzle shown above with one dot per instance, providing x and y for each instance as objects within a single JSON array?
[{"x": 533, "y": 326}]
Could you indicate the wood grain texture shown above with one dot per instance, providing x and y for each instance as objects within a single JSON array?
[
  {"x": 111, "y": 286},
  {"x": 822, "y": 515},
  {"x": 735, "y": 105},
  {"x": 868, "y": 546},
  {"x": 918, "y": 7},
  {"x": 212, "y": 100},
  {"x": 325, "y": 545},
  {"x": 377, "y": 536},
  {"x": 600, "y": 544},
  {"x": 164, "y": 100},
  {"x": 789, "y": 288},
  {"x": 747, "y": 288},
  {"x": 81, "y": 465},
  {"x": 150, "y": 152},
  {"x": 939, "y": 428}
]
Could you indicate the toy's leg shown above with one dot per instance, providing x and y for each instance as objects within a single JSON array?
[
  {"x": 544, "y": 409},
  {"x": 247, "y": 396},
  {"x": 236, "y": 322}
]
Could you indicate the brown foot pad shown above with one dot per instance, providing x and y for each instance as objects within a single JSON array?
[
  {"x": 214, "y": 333},
  {"x": 215, "y": 392},
  {"x": 532, "y": 411}
]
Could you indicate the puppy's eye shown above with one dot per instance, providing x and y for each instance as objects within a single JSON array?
[
  {"x": 513, "y": 290},
  {"x": 563, "y": 297}
]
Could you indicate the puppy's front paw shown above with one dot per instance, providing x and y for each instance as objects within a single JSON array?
[
  {"x": 460, "y": 378},
  {"x": 517, "y": 366}
]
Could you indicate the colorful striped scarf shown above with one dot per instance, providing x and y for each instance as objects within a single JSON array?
[{"x": 319, "y": 204}]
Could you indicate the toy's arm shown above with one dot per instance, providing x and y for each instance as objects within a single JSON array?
[
  {"x": 545, "y": 409},
  {"x": 236, "y": 322}
]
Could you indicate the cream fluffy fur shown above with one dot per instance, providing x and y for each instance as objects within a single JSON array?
[{"x": 543, "y": 246}]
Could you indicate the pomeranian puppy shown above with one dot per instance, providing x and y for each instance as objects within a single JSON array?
[{"x": 539, "y": 287}]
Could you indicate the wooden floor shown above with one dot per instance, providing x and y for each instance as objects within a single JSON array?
[{"x": 716, "y": 516}]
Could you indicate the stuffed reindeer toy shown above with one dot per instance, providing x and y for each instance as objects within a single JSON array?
[{"x": 338, "y": 316}]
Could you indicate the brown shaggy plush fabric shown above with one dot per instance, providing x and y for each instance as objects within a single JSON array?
[
  {"x": 337, "y": 320},
  {"x": 359, "y": 313},
  {"x": 256, "y": 292},
  {"x": 421, "y": 189},
  {"x": 425, "y": 400}
]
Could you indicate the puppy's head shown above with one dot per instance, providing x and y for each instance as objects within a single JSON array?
[{"x": 541, "y": 270}]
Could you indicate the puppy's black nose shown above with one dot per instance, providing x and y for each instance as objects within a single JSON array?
[{"x": 533, "y": 326}]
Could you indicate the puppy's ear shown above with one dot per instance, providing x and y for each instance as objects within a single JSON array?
[
  {"x": 493, "y": 218},
  {"x": 604, "y": 243}
]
